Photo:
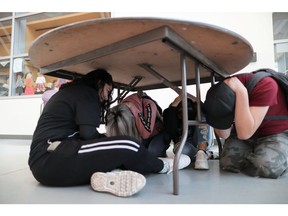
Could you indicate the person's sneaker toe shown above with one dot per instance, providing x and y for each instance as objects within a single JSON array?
[{"x": 201, "y": 162}]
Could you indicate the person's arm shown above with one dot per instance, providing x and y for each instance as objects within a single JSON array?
[
  {"x": 224, "y": 134},
  {"x": 170, "y": 120},
  {"x": 88, "y": 132},
  {"x": 247, "y": 119},
  {"x": 176, "y": 101},
  {"x": 87, "y": 118}
]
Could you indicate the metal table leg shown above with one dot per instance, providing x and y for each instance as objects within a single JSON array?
[{"x": 184, "y": 125}]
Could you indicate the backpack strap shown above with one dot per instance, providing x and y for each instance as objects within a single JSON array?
[{"x": 256, "y": 77}]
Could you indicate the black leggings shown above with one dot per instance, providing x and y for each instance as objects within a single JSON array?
[{"x": 74, "y": 161}]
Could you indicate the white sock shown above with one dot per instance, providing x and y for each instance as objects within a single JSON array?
[{"x": 165, "y": 167}]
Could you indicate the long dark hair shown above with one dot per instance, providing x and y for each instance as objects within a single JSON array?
[{"x": 97, "y": 80}]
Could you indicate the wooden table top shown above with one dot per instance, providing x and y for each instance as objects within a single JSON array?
[{"x": 85, "y": 46}]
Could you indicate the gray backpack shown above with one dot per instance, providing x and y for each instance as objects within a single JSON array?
[{"x": 281, "y": 78}]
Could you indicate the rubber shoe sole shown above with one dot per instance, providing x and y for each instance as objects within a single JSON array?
[{"x": 120, "y": 183}]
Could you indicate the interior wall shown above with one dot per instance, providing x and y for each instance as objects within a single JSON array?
[{"x": 19, "y": 116}]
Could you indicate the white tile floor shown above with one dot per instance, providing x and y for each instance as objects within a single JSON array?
[{"x": 17, "y": 186}]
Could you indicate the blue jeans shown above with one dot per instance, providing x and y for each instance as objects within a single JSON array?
[{"x": 201, "y": 134}]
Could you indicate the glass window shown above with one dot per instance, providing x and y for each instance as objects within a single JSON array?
[
  {"x": 5, "y": 15},
  {"x": 4, "y": 77},
  {"x": 20, "y": 13},
  {"x": 28, "y": 81},
  {"x": 281, "y": 56},
  {"x": 280, "y": 30},
  {"x": 28, "y": 28},
  {"x": 21, "y": 68},
  {"x": 5, "y": 37},
  {"x": 280, "y": 25},
  {"x": 24, "y": 78}
]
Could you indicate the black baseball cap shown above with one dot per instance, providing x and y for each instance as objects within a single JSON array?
[{"x": 219, "y": 106}]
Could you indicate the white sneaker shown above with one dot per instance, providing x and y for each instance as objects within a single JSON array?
[
  {"x": 184, "y": 161},
  {"x": 120, "y": 183},
  {"x": 201, "y": 161}
]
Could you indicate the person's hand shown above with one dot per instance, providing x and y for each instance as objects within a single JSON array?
[
  {"x": 234, "y": 83},
  {"x": 176, "y": 101}
]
